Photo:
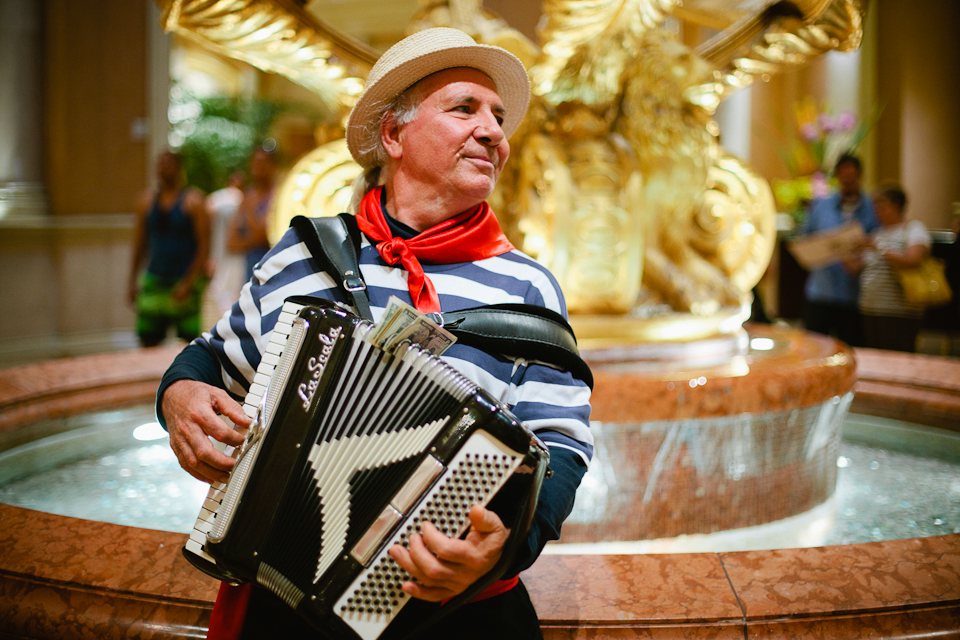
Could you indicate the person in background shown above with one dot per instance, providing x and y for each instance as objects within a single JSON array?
[
  {"x": 832, "y": 291},
  {"x": 172, "y": 238},
  {"x": 222, "y": 206},
  {"x": 225, "y": 268},
  {"x": 248, "y": 232},
  {"x": 889, "y": 321}
]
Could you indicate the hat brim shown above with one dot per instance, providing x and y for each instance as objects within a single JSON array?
[{"x": 507, "y": 72}]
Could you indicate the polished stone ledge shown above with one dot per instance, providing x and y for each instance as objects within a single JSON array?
[
  {"x": 799, "y": 369},
  {"x": 911, "y": 387},
  {"x": 66, "y": 578},
  {"x": 70, "y": 386}
]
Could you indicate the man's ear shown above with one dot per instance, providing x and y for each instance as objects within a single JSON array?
[{"x": 391, "y": 134}]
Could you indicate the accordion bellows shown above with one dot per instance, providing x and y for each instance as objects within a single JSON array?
[{"x": 351, "y": 449}]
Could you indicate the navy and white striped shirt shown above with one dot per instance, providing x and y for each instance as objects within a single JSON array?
[{"x": 552, "y": 403}]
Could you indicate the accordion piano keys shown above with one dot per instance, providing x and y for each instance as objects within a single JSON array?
[{"x": 251, "y": 406}]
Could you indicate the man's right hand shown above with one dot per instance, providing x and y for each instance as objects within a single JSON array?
[{"x": 192, "y": 410}]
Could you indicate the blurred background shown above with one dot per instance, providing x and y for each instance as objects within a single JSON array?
[{"x": 92, "y": 92}]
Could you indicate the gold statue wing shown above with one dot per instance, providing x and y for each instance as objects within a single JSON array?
[
  {"x": 277, "y": 36},
  {"x": 776, "y": 37}
]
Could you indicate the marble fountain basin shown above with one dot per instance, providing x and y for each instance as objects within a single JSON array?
[{"x": 63, "y": 577}]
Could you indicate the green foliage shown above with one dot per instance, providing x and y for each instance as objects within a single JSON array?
[{"x": 217, "y": 135}]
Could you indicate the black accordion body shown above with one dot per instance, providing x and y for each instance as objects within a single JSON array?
[{"x": 351, "y": 449}]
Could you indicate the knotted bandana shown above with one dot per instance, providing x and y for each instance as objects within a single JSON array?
[{"x": 472, "y": 235}]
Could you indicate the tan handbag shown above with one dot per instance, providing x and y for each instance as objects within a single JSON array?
[{"x": 926, "y": 284}]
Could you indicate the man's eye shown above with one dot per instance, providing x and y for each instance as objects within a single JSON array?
[
  {"x": 500, "y": 120},
  {"x": 463, "y": 108}
]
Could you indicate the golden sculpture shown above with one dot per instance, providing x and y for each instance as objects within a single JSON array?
[
  {"x": 621, "y": 188},
  {"x": 276, "y": 36}
]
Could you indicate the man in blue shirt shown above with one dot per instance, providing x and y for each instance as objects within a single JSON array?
[{"x": 832, "y": 291}]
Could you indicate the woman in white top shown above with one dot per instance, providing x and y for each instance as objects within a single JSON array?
[{"x": 889, "y": 321}]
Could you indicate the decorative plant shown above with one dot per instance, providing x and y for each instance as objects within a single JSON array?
[
  {"x": 820, "y": 139},
  {"x": 216, "y": 135}
]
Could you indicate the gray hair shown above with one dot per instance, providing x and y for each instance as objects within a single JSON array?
[{"x": 402, "y": 110}]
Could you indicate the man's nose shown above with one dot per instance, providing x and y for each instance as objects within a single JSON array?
[{"x": 489, "y": 131}]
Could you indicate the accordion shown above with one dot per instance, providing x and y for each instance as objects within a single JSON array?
[{"x": 351, "y": 448}]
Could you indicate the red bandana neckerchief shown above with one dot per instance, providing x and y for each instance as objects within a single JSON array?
[{"x": 474, "y": 234}]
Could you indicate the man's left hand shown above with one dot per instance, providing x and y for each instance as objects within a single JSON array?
[{"x": 444, "y": 567}]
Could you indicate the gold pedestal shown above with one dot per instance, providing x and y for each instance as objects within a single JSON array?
[{"x": 605, "y": 331}]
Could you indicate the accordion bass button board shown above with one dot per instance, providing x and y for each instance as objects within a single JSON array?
[{"x": 351, "y": 449}]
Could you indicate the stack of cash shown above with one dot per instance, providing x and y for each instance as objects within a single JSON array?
[{"x": 402, "y": 323}]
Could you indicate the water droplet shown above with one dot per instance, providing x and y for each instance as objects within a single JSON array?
[
  {"x": 843, "y": 462},
  {"x": 874, "y": 465},
  {"x": 937, "y": 521}
]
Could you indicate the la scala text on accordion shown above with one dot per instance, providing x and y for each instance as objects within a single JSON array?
[{"x": 352, "y": 448}]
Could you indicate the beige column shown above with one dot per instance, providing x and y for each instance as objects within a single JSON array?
[
  {"x": 21, "y": 93},
  {"x": 735, "y": 118},
  {"x": 158, "y": 89}
]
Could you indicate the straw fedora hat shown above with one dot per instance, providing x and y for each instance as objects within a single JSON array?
[{"x": 416, "y": 57}]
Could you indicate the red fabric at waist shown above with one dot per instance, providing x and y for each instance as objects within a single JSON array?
[
  {"x": 229, "y": 611},
  {"x": 498, "y": 587}
]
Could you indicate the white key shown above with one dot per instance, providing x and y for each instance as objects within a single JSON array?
[
  {"x": 199, "y": 537},
  {"x": 273, "y": 359}
]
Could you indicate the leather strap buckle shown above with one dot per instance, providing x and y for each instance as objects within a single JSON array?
[{"x": 352, "y": 282}]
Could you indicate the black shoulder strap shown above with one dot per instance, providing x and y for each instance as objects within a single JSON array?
[
  {"x": 520, "y": 330},
  {"x": 526, "y": 330},
  {"x": 334, "y": 242}
]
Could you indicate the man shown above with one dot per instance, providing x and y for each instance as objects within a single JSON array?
[
  {"x": 832, "y": 291},
  {"x": 173, "y": 232},
  {"x": 431, "y": 132},
  {"x": 248, "y": 230}
]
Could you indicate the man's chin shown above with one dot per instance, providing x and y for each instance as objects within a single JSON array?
[{"x": 478, "y": 187}]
